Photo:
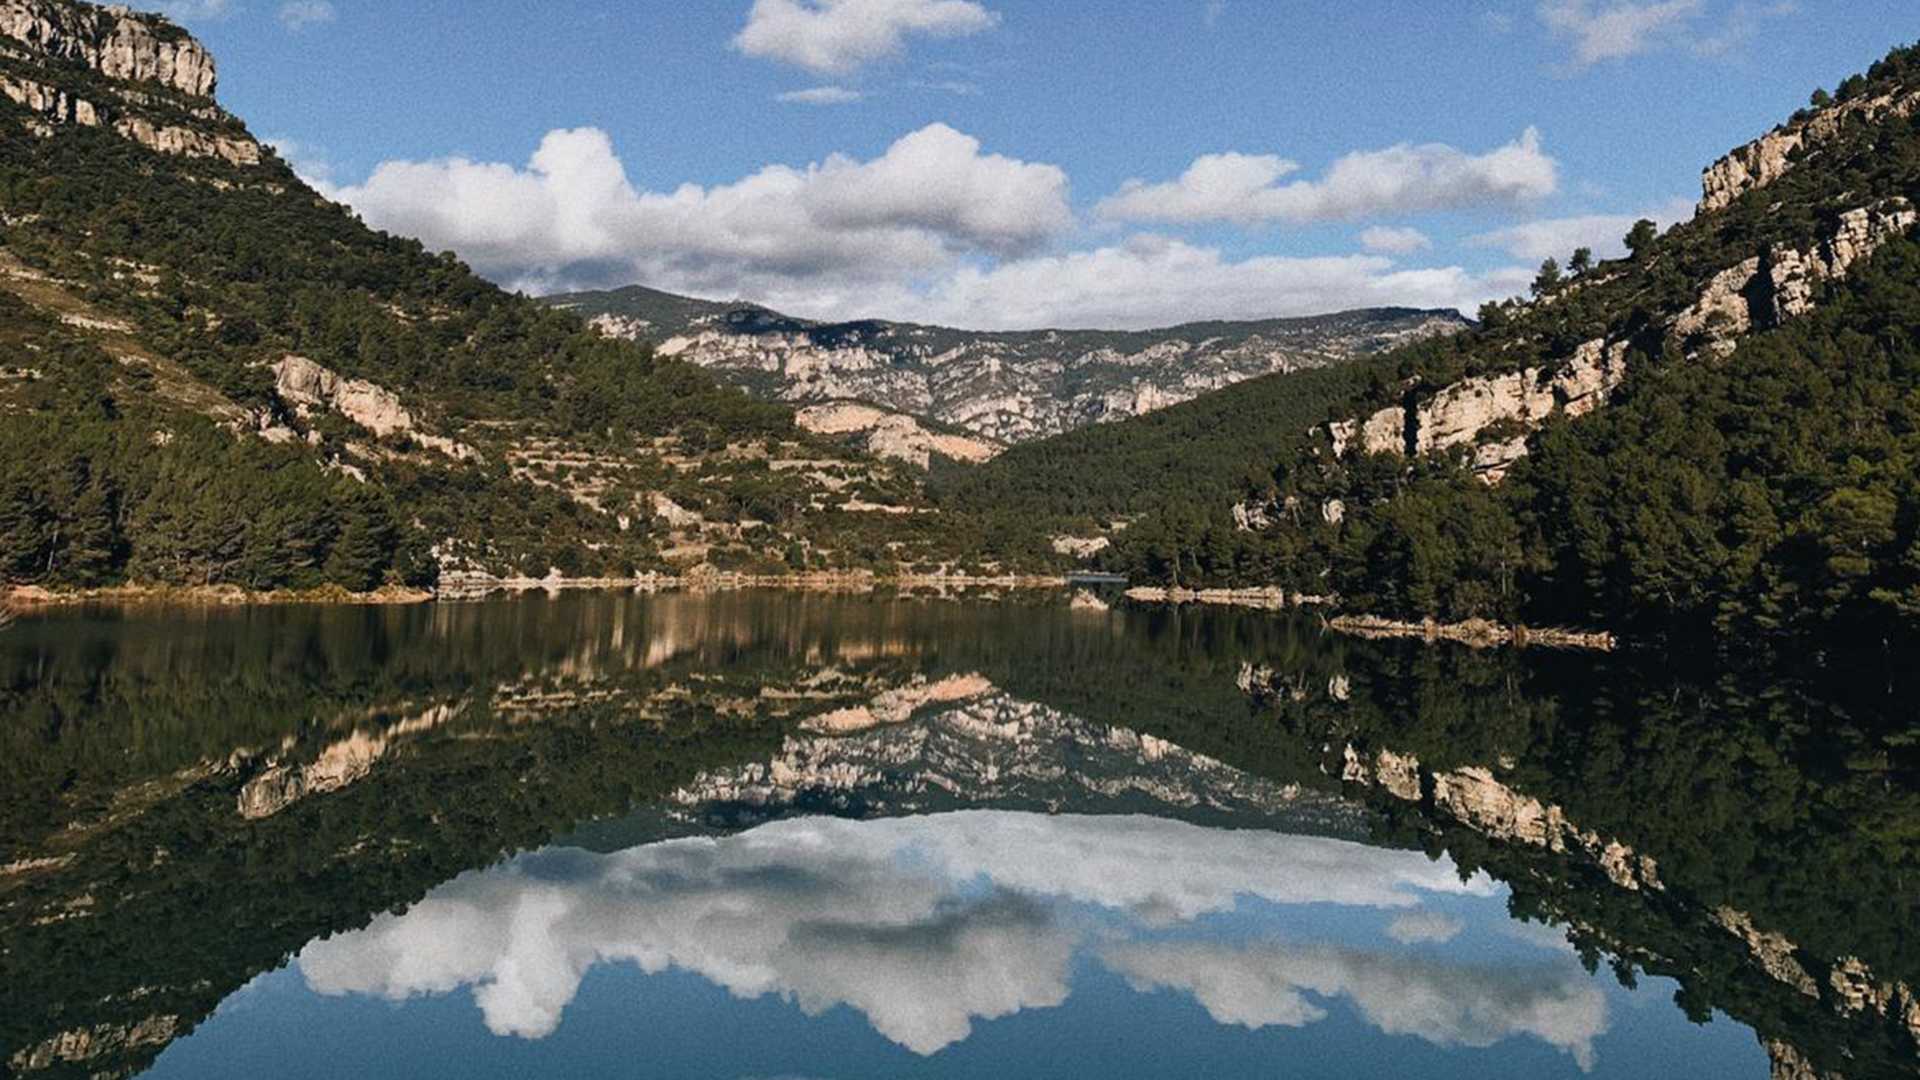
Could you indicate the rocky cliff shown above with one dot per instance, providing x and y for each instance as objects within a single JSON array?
[
  {"x": 1683, "y": 297},
  {"x": 134, "y": 74},
  {"x": 1002, "y": 387}
]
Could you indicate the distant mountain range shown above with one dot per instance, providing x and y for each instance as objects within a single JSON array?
[{"x": 1000, "y": 387}]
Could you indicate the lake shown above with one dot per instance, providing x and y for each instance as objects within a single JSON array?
[{"x": 801, "y": 835}]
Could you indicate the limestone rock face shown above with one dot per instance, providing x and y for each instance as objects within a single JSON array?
[
  {"x": 1461, "y": 413},
  {"x": 1004, "y": 387},
  {"x": 1476, "y": 798},
  {"x": 188, "y": 142},
  {"x": 1769, "y": 157},
  {"x": 1764, "y": 291},
  {"x": 113, "y": 41},
  {"x": 304, "y": 384},
  {"x": 150, "y": 62},
  {"x": 1755, "y": 294},
  {"x": 1772, "y": 951},
  {"x": 891, "y": 434}
]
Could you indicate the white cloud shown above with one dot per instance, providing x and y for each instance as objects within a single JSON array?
[
  {"x": 1210, "y": 15},
  {"x": 934, "y": 229},
  {"x": 1150, "y": 281},
  {"x": 1616, "y": 29},
  {"x": 1245, "y": 188},
  {"x": 887, "y": 917},
  {"x": 819, "y": 95},
  {"x": 1557, "y": 237},
  {"x": 1415, "y": 927},
  {"x": 835, "y": 37},
  {"x": 571, "y": 216},
  {"x": 1742, "y": 26},
  {"x": 297, "y": 15},
  {"x": 1391, "y": 241},
  {"x": 1265, "y": 984}
]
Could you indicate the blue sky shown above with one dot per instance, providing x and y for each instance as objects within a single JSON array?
[{"x": 1000, "y": 163}]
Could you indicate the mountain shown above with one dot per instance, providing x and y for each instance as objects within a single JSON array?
[
  {"x": 1718, "y": 432},
  {"x": 214, "y": 376},
  {"x": 1005, "y": 387}
]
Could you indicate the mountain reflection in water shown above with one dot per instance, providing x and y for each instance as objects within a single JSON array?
[{"x": 565, "y": 832}]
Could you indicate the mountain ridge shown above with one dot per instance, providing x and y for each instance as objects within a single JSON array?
[{"x": 1005, "y": 386}]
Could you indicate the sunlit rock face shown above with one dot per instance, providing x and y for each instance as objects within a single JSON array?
[
  {"x": 155, "y": 83},
  {"x": 112, "y": 41},
  {"x": 1771, "y": 156},
  {"x": 928, "y": 926},
  {"x": 1001, "y": 387}
]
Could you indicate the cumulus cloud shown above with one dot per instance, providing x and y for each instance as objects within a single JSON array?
[
  {"x": 1392, "y": 241},
  {"x": 1246, "y": 189},
  {"x": 819, "y": 95},
  {"x": 935, "y": 229},
  {"x": 297, "y": 15},
  {"x": 1415, "y": 927},
  {"x": 1147, "y": 281},
  {"x": 835, "y": 37},
  {"x": 1448, "y": 1004},
  {"x": 1557, "y": 237},
  {"x": 1617, "y": 29},
  {"x": 571, "y": 217},
  {"x": 921, "y": 925}
]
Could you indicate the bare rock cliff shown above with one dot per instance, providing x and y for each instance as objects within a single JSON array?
[
  {"x": 1772, "y": 155},
  {"x": 113, "y": 41},
  {"x": 154, "y": 83}
]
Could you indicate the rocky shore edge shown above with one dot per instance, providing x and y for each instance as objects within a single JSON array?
[
  {"x": 1479, "y": 633},
  {"x": 456, "y": 587}
]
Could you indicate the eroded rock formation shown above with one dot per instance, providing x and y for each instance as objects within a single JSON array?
[
  {"x": 1771, "y": 156},
  {"x": 145, "y": 61}
]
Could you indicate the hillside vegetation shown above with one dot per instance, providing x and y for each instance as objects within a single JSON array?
[
  {"x": 1728, "y": 440},
  {"x": 160, "y": 267}
]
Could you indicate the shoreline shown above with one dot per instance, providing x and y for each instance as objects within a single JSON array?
[
  {"x": 459, "y": 588},
  {"x": 1476, "y": 633}
]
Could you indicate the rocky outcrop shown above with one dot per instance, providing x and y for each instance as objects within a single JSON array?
[
  {"x": 146, "y": 59},
  {"x": 898, "y": 704},
  {"x": 188, "y": 141},
  {"x": 1463, "y": 413},
  {"x": 892, "y": 435},
  {"x": 1474, "y": 797},
  {"x": 1766, "y": 290},
  {"x": 113, "y": 41},
  {"x": 1005, "y": 387},
  {"x": 82, "y": 1045},
  {"x": 1772, "y": 951},
  {"x": 339, "y": 764},
  {"x": 308, "y": 386},
  {"x": 1494, "y": 413},
  {"x": 1771, "y": 156}
]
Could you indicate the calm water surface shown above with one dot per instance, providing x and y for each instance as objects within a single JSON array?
[{"x": 775, "y": 835}]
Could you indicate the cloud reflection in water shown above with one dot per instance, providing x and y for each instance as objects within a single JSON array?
[{"x": 924, "y": 925}]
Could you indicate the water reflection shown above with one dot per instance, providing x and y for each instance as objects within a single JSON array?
[
  {"x": 926, "y": 925},
  {"x": 192, "y": 799}
]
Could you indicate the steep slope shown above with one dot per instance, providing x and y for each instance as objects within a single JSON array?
[
  {"x": 214, "y": 376},
  {"x": 1007, "y": 387},
  {"x": 1750, "y": 468}
]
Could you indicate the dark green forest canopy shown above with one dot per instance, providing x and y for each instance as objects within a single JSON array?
[{"x": 1766, "y": 491}]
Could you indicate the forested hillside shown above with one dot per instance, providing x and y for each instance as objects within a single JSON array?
[
  {"x": 215, "y": 376},
  {"x": 1718, "y": 431}
]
